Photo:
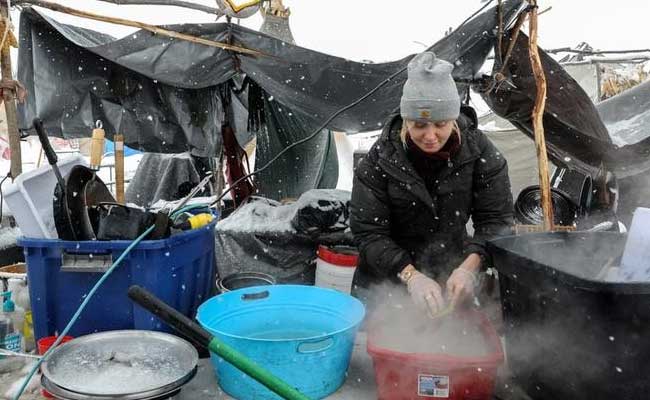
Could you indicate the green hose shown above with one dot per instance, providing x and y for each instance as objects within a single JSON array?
[{"x": 244, "y": 364}]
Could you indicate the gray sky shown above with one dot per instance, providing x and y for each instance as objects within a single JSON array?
[{"x": 384, "y": 31}]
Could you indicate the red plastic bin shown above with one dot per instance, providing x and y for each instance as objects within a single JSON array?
[
  {"x": 43, "y": 344},
  {"x": 416, "y": 376}
]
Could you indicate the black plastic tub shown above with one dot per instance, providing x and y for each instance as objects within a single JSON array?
[{"x": 569, "y": 334}]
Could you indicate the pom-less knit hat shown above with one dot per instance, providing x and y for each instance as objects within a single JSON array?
[{"x": 429, "y": 92}]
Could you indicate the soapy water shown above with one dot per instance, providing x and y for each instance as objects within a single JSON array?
[
  {"x": 131, "y": 368},
  {"x": 401, "y": 327}
]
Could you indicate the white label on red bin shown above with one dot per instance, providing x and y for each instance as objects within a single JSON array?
[{"x": 433, "y": 386}]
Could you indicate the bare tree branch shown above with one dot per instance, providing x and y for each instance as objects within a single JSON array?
[
  {"x": 589, "y": 52},
  {"x": 175, "y": 3}
]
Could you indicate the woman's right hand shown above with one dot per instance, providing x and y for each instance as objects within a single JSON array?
[{"x": 426, "y": 293}]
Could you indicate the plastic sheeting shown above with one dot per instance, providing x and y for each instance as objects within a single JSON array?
[
  {"x": 267, "y": 236},
  {"x": 627, "y": 117},
  {"x": 312, "y": 165},
  {"x": 70, "y": 87},
  {"x": 161, "y": 93},
  {"x": 162, "y": 177},
  {"x": 576, "y": 137}
]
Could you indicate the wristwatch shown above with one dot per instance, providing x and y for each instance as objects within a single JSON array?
[{"x": 406, "y": 274}]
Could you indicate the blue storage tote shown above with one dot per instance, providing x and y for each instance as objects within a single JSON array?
[
  {"x": 301, "y": 334},
  {"x": 180, "y": 270}
]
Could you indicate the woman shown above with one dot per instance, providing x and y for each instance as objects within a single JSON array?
[{"x": 428, "y": 173}]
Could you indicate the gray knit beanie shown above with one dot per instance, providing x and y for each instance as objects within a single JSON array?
[{"x": 429, "y": 92}]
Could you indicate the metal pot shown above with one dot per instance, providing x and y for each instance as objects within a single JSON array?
[
  {"x": 124, "y": 365},
  {"x": 240, "y": 280}
]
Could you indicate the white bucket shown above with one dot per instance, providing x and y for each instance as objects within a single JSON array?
[
  {"x": 335, "y": 267},
  {"x": 635, "y": 265}
]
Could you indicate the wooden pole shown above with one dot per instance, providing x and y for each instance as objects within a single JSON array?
[
  {"x": 538, "y": 123},
  {"x": 119, "y": 168},
  {"x": 9, "y": 99},
  {"x": 97, "y": 147},
  {"x": 147, "y": 27}
]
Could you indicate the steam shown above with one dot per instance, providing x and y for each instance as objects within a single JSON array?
[{"x": 396, "y": 324}]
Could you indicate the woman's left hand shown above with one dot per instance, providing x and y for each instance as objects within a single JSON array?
[{"x": 460, "y": 285}]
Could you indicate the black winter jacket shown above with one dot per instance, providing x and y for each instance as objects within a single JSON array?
[{"x": 396, "y": 221}]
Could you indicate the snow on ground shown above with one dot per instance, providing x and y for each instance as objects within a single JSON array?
[
  {"x": 259, "y": 216},
  {"x": 12, "y": 376}
]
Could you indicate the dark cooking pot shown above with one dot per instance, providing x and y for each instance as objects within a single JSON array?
[{"x": 241, "y": 280}]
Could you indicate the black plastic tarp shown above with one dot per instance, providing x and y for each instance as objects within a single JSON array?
[
  {"x": 160, "y": 92},
  {"x": 162, "y": 177},
  {"x": 311, "y": 165},
  {"x": 576, "y": 137},
  {"x": 70, "y": 87}
]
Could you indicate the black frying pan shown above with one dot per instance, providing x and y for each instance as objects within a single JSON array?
[
  {"x": 84, "y": 192},
  {"x": 75, "y": 197}
]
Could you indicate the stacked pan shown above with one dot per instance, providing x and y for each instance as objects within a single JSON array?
[{"x": 124, "y": 365}]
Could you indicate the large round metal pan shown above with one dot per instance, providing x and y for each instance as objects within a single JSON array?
[{"x": 121, "y": 364}]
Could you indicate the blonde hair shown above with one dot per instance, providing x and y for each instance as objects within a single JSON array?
[{"x": 405, "y": 130}]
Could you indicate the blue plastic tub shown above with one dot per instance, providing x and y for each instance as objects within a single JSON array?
[
  {"x": 302, "y": 334},
  {"x": 180, "y": 270}
]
